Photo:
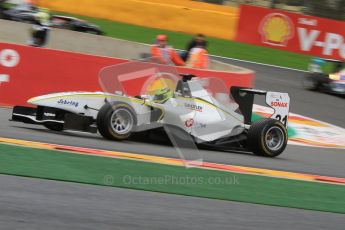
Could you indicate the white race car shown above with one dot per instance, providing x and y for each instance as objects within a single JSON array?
[{"x": 204, "y": 109}]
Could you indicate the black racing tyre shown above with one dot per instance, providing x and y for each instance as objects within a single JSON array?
[
  {"x": 267, "y": 137},
  {"x": 116, "y": 121},
  {"x": 54, "y": 126},
  {"x": 310, "y": 83}
]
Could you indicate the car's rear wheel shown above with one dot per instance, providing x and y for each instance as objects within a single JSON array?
[
  {"x": 267, "y": 137},
  {"x": 116, "y": 121}
]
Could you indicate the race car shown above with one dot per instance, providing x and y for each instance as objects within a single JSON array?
[
  {"x": 21, "y": 13},
  {"x": 325, "y": 75},
  {"x": 3, "y": 7},
  {"x": 75, "y": 24},
  {"x": 27, "y": 13},
  {"x": 202, "y": 110}
]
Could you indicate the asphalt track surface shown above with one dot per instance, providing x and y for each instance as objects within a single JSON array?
[
  {"x": 40, "y": 201},
  {"x": 328, "y": 108},
  {"x": 34, "y": 204},
  {"x": 317, "y": 105}
]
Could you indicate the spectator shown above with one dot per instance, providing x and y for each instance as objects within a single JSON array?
[
  {"x": 198, "y": 57},
  {"x": 40, "y": 30},
  {"x": 162, "y": 53},
  {"x": 199, "y": 39}
]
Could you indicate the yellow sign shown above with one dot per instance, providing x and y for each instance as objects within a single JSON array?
[{"x": 186, "y": 16}]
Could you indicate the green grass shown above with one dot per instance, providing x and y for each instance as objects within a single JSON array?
[
  {"x": 217, "y": 46},
  {"x": 57, "y": 165}
]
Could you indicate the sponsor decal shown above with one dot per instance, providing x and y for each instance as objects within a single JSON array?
[
  {"x": 49, "y": 114},
  {"x": 195, "y": 124},
  {"x": 199, "y": 125},
  {"x": 276, "y": 96},
  {"x": 276, "y": 29},
  {"x": 189, "y": 122},
  {"x": 279, "y": 104},
  {"x": 309, "y": 132},
  {"x": 292, "y": 32},
  {"x": 332, "y": 41},
  {"x": 195, "y": 107},
  {"x": 68, "y": 102}
]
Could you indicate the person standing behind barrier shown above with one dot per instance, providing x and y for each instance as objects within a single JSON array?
[
  {"x": 162, "y": 53},
  {"x": 40, "y": 30},
  {"x": 199, "y": 39},
  {"x": 198, "y": 57}
]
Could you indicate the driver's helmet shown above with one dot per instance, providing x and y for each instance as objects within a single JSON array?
[
  {"x": 42, "y": 18},
  {"x": 44, "y": 10},
  {"x": 162, "y": 95}
]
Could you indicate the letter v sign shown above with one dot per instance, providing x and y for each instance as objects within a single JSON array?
[{"x": 306, "y": 40}]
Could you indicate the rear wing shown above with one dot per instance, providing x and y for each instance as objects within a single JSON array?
[{"x": 279, "y": 102}]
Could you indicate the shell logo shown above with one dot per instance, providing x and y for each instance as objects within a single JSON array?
[{"x": 276, "y": 29}]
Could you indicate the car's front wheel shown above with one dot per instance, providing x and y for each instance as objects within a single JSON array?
[
  {"x": 116, "y": 121},
  {"x": 267, "y": 137},
  {"x": 310, "y": 83}
]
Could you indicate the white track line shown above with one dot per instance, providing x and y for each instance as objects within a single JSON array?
[
  {"x": 258, "y": 63},
  {"x": 226, "y": 58}
]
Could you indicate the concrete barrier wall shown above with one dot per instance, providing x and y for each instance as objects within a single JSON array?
[
  {"x": 67, "y": 63},
  {"x": 34, "y": 71},
  {"x": 178, "y": 15},
  {"x": 15, "y": 32}
]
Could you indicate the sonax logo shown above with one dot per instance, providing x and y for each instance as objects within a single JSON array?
[{"x": 276, "y": 29}]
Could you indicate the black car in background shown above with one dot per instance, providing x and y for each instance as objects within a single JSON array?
[
  {"x": 26, "y": 13},
  {"x": 3, "y": 7},
  {"x": 325, "y": 75},
  {"x": 75, "y": 24},
  {"x": 21, "y": 13}
]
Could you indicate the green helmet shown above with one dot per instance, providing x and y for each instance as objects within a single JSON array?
[
  {"x": 42, "y": 17},
  {"x": 162, "y": 95}
]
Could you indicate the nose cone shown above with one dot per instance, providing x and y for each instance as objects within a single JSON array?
[{"x": 33, "y": 100}]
